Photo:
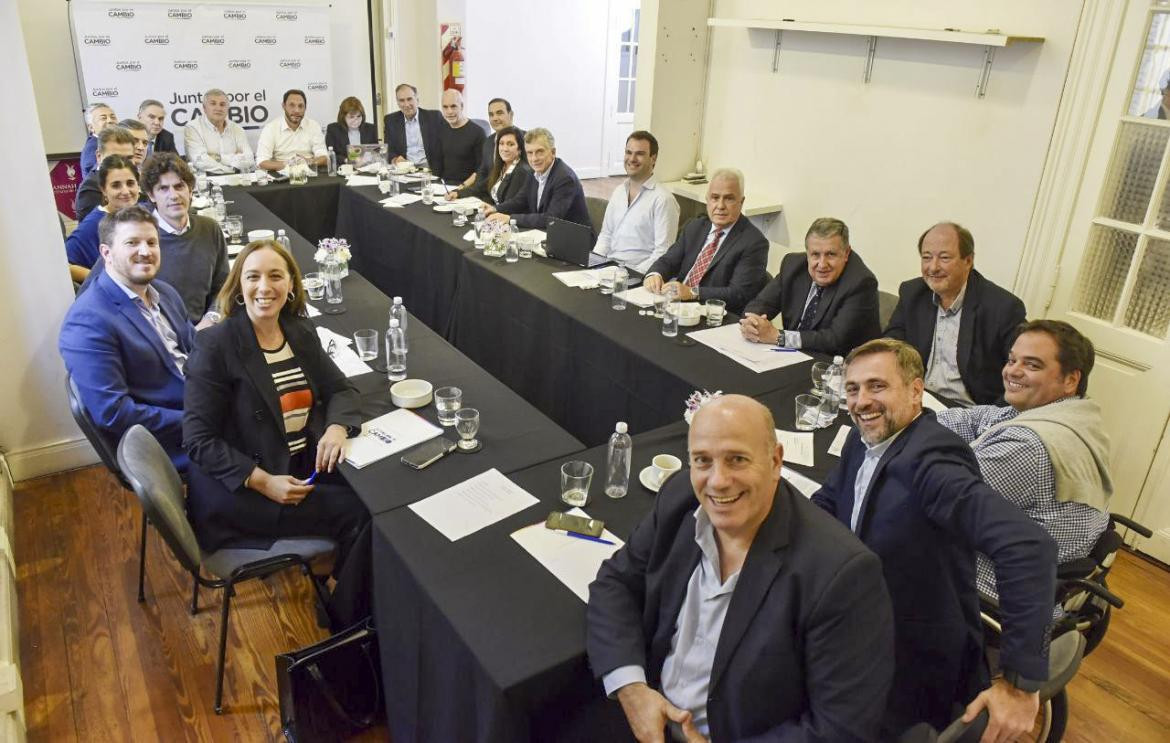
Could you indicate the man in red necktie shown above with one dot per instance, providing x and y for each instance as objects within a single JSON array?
[{"x": 720, "y": 256}]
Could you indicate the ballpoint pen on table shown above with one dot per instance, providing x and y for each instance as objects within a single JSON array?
[
  {"x": 586, "y": 537},
  {"x": 783, "y": 349}
]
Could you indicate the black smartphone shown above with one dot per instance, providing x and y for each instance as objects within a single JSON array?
[
  {"x": 428, "y": 452},
  {"x": 574, "y": 523}
]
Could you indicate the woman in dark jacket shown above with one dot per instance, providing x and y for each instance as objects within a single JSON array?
[
  {"x": 264, "y": 407},
  {"x": 350, "y": 128},
  {"x": 509, "y": 174}
]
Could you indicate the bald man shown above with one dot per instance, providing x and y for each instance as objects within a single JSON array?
[
  {"x": 802, "y": 650},
  {"x": 461, "y": 139}
]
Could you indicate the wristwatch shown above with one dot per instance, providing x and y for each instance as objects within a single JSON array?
[
  {"x": 1023, "y": 684},
  {"x": 695, "y": 293}
]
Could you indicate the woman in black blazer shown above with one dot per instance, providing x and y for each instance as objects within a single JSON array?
[
  {"x": 351, "y": 122},
  {"x": 509, "y": 174},
  {"x": 264, "y": 407}
]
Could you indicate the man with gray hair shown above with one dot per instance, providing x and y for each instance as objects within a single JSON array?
[
  {"x": 720, "y": 256},
  {"x": 554, "y": 191},
  {"x": 152, "y": 113},
  {"x": 98, "y": 117},
  {"x": 826, "y": 296},
  {"x": 212, "y": 141}
]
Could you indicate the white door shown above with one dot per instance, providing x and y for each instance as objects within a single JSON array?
[
  {"x": 1114, "y": 282},
  {"x": 621, "y": 72}
]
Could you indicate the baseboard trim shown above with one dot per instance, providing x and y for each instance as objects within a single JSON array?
[{"x": 50, "y": 459}]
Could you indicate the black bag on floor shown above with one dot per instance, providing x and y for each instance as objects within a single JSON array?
[{"x": 331, "y": 690}]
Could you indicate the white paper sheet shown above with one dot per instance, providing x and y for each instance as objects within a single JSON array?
[
  {"x": 362, "y": 180},
  {"x": 467, "y": 201},
  {"x": 573, "y": 561},
  {"x": 639, "y": 296},
  {"x": 402, "y": 199},
  {"x": 806, "y": 485},
  {"x": 583, "y": 279},
  {"x": 798, "y": 446},
  {"x": 839, "y": 440},
  {"x": 930, "y": 402},
  {"x": 469, "y": 236},
  {"x": 342, "y": 354},
  {"x": 313, "y": 311},
  {"x": 399, "y": 430},
  {"x": 473, "y": 504},
  {"x": 759, "y": 357}
]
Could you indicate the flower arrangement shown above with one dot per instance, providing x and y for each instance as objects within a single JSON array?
[
  {"x": 698, "y": 399},
  {"x": 298, "y": 170},
  {"x": 495, "y": 237},
  {"x": 332, "y": 248}
]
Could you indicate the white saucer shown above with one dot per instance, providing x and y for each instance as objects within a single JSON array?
[
  {"x": 646, "y": 477},
  {"x": 444, "y": 208}
]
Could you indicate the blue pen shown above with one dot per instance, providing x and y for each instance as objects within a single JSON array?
[
  {"x": 781, "y": 349},
  {"x": 588, "y": 538},
  {"x": 311, "y": 478}
]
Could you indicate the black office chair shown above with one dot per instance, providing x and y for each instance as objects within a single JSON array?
[
  {"x": 107, "y": 451},
  {"x": 886, "y": 304},
  {"x": 154, "y": 480},
  {"x": 596, "y": 208},
  {"x": 483, "y": 124}
]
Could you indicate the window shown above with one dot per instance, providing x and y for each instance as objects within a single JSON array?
[{"x": 628, "y": 65}]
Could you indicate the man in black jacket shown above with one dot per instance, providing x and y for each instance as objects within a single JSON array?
[
  {"x": 826, "y": 296},
  {"x": 752, "y": 615},
  {"x": 412, "y": 133},
  {"x": 962, "y": 324},
  {"x": 152, "y": 114}
]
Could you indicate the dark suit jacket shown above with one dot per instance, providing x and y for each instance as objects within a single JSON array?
[
  {"x": 164, "y": 142},
  {"x": 987, "y": 328},
  {"x": 514, "y": 184},
  {"x": 124, "y": 373},
  {"x": 926, "y": 513},
  {"x": 847, "y": 314},
  {"x": 563, "y": 198},
  {"x": 233, "y": 420},
  {"x": 738, "y": 271},
  {"x": 429, "y": 121},
  {"x": 489, "y": 154},
  {"x": 337, "y": 137},
  {"x": 805, "y": 649}
]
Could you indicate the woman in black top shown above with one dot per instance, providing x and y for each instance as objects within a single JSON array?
[
  {"x": 350, "y": 128},
  {"x": 509, "y": 174},
  {"x": 264, "y": 407}
]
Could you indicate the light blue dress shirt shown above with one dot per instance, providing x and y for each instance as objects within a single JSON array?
[
  {"x": 152, "y": 311},
  {"x": 942, "y": 373},
  {"x": 873, "y": 455},
  {"x": 415, "y": 152}
]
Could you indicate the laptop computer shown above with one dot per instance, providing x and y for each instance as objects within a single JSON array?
[{"x": 572, "y": 243}]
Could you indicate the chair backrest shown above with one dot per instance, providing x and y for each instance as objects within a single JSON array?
[
  {"x": 155, "y": 481},
  {"x": 596, "y": 208},
  {"x": 102, "y": 442},
  {"x": 886, "y": 304},
  {"x": 483, "y": 124}
]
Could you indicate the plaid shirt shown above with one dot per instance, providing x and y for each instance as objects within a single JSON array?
[{"x": 1013, "y": 460}]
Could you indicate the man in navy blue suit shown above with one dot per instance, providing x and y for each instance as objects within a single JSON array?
[
  {"x": 912, "y": 492},
  {"x": 554, "y": 191},
  {"x": 126, "y": 341}
]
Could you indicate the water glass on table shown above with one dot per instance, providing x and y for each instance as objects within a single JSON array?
[
  {"x": 576, "y": 476},
  {"x": 715, "y": 311},
  {"x": 366, "y": 344},
  {"x": 621, "y": 279},
  {"x": 448, "y": 400},
  {"x": 234, "y": 224},
  {"x": 467, "y": 426},
  {"x": 808, "y": 412},
  {"x": 525, "y": 243},
  {"x": 384, "y": 181},
  {"x": 670, "y": 318},
  {"x": 605, "y": 279},
  {"x": 818, "y": 377},
  {"x": 314, "y": 286}
]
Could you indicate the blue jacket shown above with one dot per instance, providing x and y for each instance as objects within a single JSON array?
[
  {"x": 562, "y": 198},
  {"x": 124, "y": 373},
  {"x": 926, "y": 513},
  {"x": 89, "y": 161},
  {"x": 81, "y": 247}
]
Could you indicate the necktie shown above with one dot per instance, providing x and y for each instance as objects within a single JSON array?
[
  {"x": 695, "y": 275},
  {"x": 810, "y": 312}
]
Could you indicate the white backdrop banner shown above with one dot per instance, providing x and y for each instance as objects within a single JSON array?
[{"x": 173, "y": 52}]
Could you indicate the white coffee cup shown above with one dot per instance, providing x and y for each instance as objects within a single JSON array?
[
  {"x": 233, "y": 179},
  {"x": 664, "y": 466}
]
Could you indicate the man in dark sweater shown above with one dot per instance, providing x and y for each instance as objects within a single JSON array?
[
  {"x": 195, "y": 260},
  {"x": 462, "y": 141}
]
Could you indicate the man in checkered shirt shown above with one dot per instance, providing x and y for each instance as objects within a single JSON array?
[{"x": 1047, "y": 451}]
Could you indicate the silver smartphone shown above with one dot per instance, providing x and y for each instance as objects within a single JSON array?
[{"x": 428, "y": 452}]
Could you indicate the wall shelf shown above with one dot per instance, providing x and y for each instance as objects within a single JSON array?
[
  {"x": 752, "y": 206},
  {"x": 990, "y": 39}
]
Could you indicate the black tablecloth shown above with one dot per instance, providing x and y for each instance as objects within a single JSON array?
[
  {"x": 514, "y": 434},
  {"x": 310, "y": 209},
  {"x": 480, "y": 642}
]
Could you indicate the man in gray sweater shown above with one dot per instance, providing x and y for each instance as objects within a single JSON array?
[{"x": 194, "y": 252}]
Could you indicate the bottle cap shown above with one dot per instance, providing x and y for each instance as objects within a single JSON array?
[
  {"x": 398, "y": 300},
  {"x": 838, "y": 360},
  {"x": 394, "y": 322},
  {"x": 621, "y": 427},
  {"x": 280, "y": 232}
]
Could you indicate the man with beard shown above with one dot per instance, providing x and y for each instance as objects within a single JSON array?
[
  {"x": 126, "y": 341},
  {"x": 291, "y": 135}
]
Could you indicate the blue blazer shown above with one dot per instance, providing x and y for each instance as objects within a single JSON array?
[
  {"x": 926, "y": 512},
  {"x": 563, "y": 198},
  {"x": 124, "y": 373}
]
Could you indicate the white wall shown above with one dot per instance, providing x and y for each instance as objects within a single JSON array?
[
  {"x": 912, "y": 147},
  {"x": 35, "y": 427},
  {"x": 58, "y": 98}
]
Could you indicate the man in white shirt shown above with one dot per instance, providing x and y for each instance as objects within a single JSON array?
[
  {"x": 290, "y": 135},
  {"x": 641, "y": 220},
  {"x": 211, "y": 140}
]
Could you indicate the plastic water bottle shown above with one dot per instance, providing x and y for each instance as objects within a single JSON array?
[
  {"x": 512, "y": 249},
  {"x": 282, "y": 238},
  {"x": 395, "y": 353},
  {"x": 219, "y": 204},
  {"x": 332, "y": 162},
  {"x": 833, "y": 391},
  {"x": 617, "y": 469},
  {"x": 398, "y": 312}
]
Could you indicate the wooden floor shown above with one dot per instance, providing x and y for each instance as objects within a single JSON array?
[{"x": 99, "y": 666}]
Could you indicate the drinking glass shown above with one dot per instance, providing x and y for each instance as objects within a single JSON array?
[
  {"x": 808, "y": 412},
  {"x": 314, "y": 286},
  {"x": 621, "y": 278},
  {"x": 818, "y": 377},
  {"x": 715, "y": 310},
  {"x": 366, "y": 344},
  {"x": 512, "y": 249},
  {"x": 576, "y": 476},
  {"x": 460, "y": 217},
  {"x": 478, "y": 222},
  {"x": 670, "y": 319},
  {"x": 660, "y": 301},
  {"x": 235, "y": 228},
  {"x": 384, "y": 182},
  {"x": 525, "y": 246},
  {"x": 605, "y": 280},
  {"x": 427, "y": 197},
  {"x": 467, "y": 425},
  {"x": 201, "y": 181},
  {"x": 448, "y": 400}
]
